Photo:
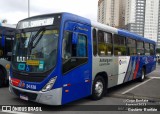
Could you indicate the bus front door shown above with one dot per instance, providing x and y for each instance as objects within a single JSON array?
[{"x": 76, "y": 62}]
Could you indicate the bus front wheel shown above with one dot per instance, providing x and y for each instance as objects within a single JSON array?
[{"x": 98, "y": 88}]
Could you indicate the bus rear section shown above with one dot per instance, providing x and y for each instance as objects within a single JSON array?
[
  {"x": 51, "y": 62},
  {"x": 120, "y": 56},
  {"x": 6, "y": 41}
]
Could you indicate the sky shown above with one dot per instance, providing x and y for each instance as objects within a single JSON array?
[{"x": 15, "y": 10}]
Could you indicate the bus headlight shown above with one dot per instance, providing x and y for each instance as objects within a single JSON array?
[{"x": 49, "y": 85}]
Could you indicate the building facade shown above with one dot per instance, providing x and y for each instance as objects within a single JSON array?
[
  {"x": 158, "y": 33},
  {"x": 151, "y": 19},
  {"x": 142, "y": 17},
  {"x": 139, "y": 16},
  {"x": 135, "y": 16},
  {"x": 109, "y": 12}
]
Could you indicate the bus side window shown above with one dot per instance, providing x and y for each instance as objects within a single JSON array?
[
  {"x": 1, "y": 48},
  {"x": 104, "y": 43},
  {"x": 8, "y": 47},
  {"x": 94, "y": 42},
  {"x": 74, "y": 50},
  {"x": 81, "y": 48},
  {"x": 101, "y": 43},
  {"x": 140, "y": 48},
  {"x": 147, "y": 49},
  {"x": 131, "y": 46},
  {"x": 120, "y": 48},
  {"x": 109, "y": 44},
  {"x": 152, "y": 49}
]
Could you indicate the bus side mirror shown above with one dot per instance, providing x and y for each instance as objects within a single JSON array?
[{"x": 74, "y": 38}]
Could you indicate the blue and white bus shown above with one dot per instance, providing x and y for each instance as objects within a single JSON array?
[
  {"x": 6, "y": 40},
  {"x": 59, "y": 58}
]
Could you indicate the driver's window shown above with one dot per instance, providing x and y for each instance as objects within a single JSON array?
[
  {"x": 78, "y": 49},
  {"x": 74, "y": 51}
]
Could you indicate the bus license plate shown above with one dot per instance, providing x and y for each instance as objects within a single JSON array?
[{"x": 24, "y": 97}]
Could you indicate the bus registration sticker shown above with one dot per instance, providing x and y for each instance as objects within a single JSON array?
[
  {"x": 33, "y": 62},
  {"x": 23, "y": 97},
  {"x": 21, "y": 66}
]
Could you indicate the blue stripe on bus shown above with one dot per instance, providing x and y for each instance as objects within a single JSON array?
[{"x": 134, "y": 36}]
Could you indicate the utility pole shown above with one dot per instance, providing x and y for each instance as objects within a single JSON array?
[{"x": 28, "y": 8}]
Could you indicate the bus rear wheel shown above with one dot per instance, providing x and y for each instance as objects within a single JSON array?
[
  {"x": 2, "y": 78},
  {"x": 98, "y": 88}
]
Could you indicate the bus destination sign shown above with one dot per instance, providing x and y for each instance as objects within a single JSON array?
[{"x": 36, "y": 23}]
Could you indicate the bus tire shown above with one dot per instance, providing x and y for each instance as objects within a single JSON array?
[
  {"x": 98, "y": 88},
  {"x": 143, "y": 75},
  {"x": 2, "y": 78}
]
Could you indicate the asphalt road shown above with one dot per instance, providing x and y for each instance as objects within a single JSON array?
[{"x": 120, "y": 95}]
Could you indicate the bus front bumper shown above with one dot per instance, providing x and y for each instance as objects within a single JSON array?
[{"x": 52, "y": 97}]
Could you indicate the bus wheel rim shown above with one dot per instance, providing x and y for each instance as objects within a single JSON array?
[{"x": 99, "y": 88}]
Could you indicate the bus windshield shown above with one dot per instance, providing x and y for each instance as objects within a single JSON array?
[{"x": 35, "y": 50}]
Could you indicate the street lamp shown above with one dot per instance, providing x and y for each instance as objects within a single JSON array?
[{"x": 28, "y": 8}]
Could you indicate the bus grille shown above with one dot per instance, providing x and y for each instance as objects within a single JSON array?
[{"x": 30, "y": 77}]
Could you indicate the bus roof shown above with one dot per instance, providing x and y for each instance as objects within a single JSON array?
[
  {"x": 124, "y": 33},
  {"x": 134, "y": 36},
  {"x": 7, "y": 25},
  {"x": 7, "y": 29},
  {"x": 86, "y": 21}
]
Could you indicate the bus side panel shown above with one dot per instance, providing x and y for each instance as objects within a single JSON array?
[
  {"x": 105, "y": 65},
  {"x": 131, "y": 69},
  {"x": 149, "y": 63},
  {"x": 140, "y": 62}
]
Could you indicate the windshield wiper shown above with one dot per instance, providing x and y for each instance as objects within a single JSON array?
[
  {"x": 40, "y": 37},
  {"x": 42, "y": 29},
  {"x": 31, "y": 46}
]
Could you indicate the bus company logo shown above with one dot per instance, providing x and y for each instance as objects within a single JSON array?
[
  {"x": 104, "y": 62},
  {"x": 122, "y": 62},
  {"x": 21, "y": 84}
]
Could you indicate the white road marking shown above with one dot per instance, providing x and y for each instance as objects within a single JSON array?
[
  {"x": 136, "y": 86},
  {"x": 14, "y": 112},
  {"x": 155, "y": 71},
  {"x": 154, "y": 77}
]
